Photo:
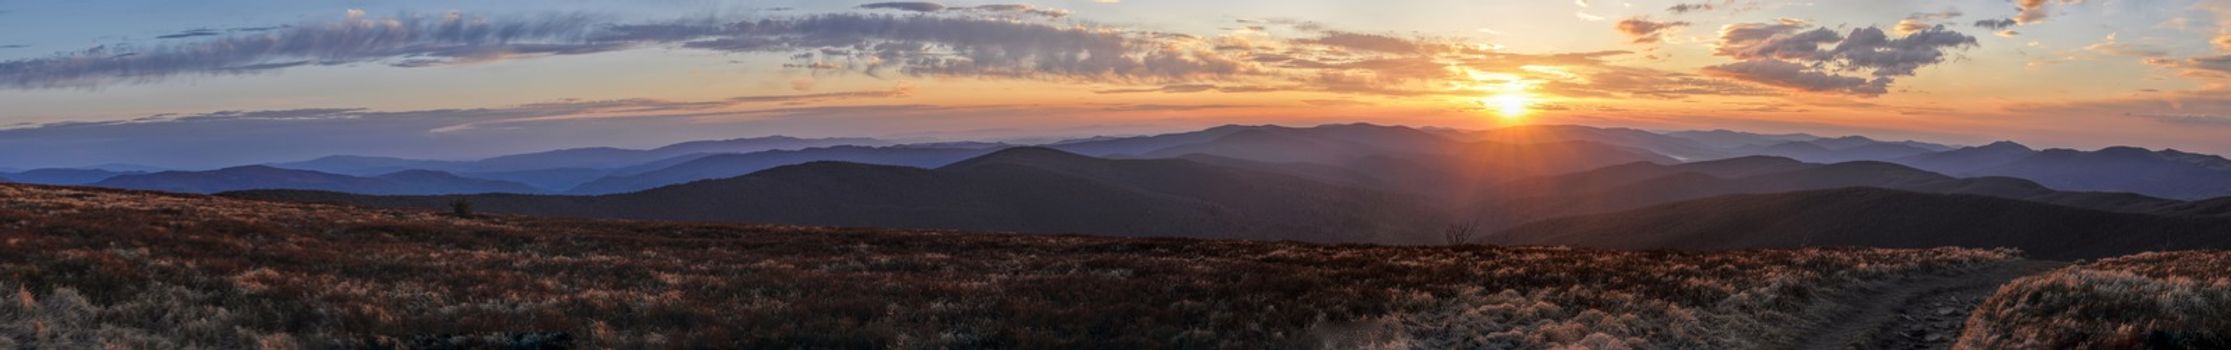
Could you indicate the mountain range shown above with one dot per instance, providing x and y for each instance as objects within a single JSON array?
[
  {"x": 265, "y": 177},
  {"x": 1343, "y": 183},
  {"x": 1018, "y": 189}
]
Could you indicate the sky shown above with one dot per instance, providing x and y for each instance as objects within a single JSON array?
[{"x": 228, "y": 82}]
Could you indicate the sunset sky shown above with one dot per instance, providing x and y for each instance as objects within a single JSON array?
[{"x": 203, "y": 83}]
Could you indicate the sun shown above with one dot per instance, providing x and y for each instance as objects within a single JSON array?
[{"x": 1511, "y": 105}]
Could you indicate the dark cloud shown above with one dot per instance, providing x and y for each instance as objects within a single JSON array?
[
  {"x": 351, "y": 41},
  {"x": 906, "y": 6},
  {"x": 1796, "y": 76},
  {"x": 1995, "y": 24},
  {"x": 1645, "y": 31},
  {"x": 1367, "y": 42},
  {"x": 1687, "y": 8},
  {"x": 1793, "y": 54},
  {"x": 957, "y": 46},
  {"x": 917, "y": 6},
  {"x": 14, "y": 46},
  {"x": 190, "y": 33},
  {"x": 255, "y": 29}
]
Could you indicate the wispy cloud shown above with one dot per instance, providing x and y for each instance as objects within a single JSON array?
[
  {"x": 1645, "y": 31},
  {"x": 355, "y": 40}
]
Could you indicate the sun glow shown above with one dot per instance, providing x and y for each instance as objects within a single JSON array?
[
  {"x": 1511, "y": 105},
  {"x": 1507, "y": 95}
]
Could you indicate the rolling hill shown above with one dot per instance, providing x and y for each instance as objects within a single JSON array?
[
  {"x": 1643, "y": 184},
  {"x": 2165, "y": 173},
  {"x": 733, "y": 165},
  {"x": 577, "y": 158},
  {"x": 63, "y": 176},
  {"x": 1020, "y": 189},
  {"x": 1874, "y": 217},
  {"x": 264, "y": 177}
]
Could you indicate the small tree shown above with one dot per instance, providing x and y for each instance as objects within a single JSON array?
[
  {"x": 461, "y": 208},
  {"x": 1461, "y": 233}
]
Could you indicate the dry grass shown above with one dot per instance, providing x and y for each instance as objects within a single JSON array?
[
  {"x": 96, "y": 268},
  {"x": 2167, "y": 300}
]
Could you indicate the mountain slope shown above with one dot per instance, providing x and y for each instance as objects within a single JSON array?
[
  {"x": 732, "y": 165},
  {"x": 2123, "y": 169},
  {"x": 1877, "y": 218},
  {"x": 1023, "y": 189},
  {"x": 1966, "y": 160},
  {"x": 1769, "y": 175},
  {"x": 60, "y": 176},
  {"x": 264, "y": 177},
  {"x": 576, "y": 158},
  {"x": 1684, "y": 149}
]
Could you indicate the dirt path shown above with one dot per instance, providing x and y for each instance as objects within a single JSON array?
[{"x": 1918, "y": 314}]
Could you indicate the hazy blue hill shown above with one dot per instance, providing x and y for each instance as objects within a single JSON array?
[
  {"x": 265, "y": 177},
  {"x": 1681, "y": 148},
  {"x": 1022, "y": 189},
  {"x": 2175, "y": 175},
  {"x": 62, "y": 176},
  {"x": 732, "y": 165},
  {"x": 1970, "y": 159}
]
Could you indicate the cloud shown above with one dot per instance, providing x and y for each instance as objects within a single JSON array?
[
  {"x": 1687, "y": 8},
  {"x": 995, "y": 8},
  {"x": 2113, "y": 46},
  {"x": 1190, "y": 88},
  {"x": 945, "y": 41},
  {"x": 2223, "y": 41},
  {"x": 353, "y": 40},
  {"x": 2035, "y": 11},
  {"x": 228, "y": 138},
  {"x": 1793, "y": 54},
  {"x": 906, "y": 6},
  {"x": 1645, "y": 31},
  {"x": 190, "y": 33},
  {"x": 1171, "y": 108},
  {"x": 2213, "y": 120},
  {"x": 1923, "y": 21},
  {"x": 1785, "y": 74},
  {"x": 1370, "y": 42},
  {"x": 1995, "y": 24},
  {"x": 2203, "y": 67}
]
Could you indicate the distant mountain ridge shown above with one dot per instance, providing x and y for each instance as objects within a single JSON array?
[
  {"x": 1644, "y": 184},
  {"x": 2166, "y": 173},
  {"x": 732, "y": 165},
  {"x": 264, "y": 177},
  {"x": 575, "y": 158},
  {"x": 1018, "y": 189},
  {"x": 61, "y": 176}
]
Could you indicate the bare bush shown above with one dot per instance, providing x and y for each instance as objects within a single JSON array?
[{"x": 2168, "y": 300}]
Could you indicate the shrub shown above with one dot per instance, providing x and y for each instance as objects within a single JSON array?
[
  {"x": 146, "y": 270},
  {"x": 2166, "y": 300}
]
